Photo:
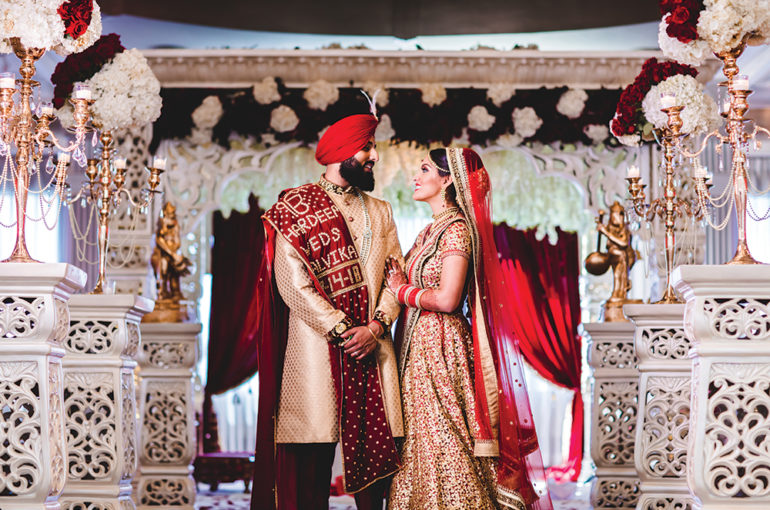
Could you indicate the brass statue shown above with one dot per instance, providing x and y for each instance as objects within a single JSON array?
[
  {"x": 619, "y": 255},
  {"x": 169, "y": 266}
]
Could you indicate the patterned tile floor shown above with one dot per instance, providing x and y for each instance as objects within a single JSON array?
[{"x": 231, "y": 497}]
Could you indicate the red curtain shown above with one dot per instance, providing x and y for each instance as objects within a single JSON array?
[
  {"x": 232, "y": 357},
  {"x": 543, "y": 282}
]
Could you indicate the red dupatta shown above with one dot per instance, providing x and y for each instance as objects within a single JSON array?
[{"x": 505, "y": 413}]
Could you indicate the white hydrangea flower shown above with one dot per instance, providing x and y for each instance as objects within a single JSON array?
[
  {"x": 266, "y": 91},
  {"x": 125, "y": 92},
  {"x": 724, "y": 23},
  {"x": 630, "y": 140},
  {"x": 200, "y": 136},
  {"x": 283, "y": 119},
  {"x": 480, "y": 119},
  {"x": 499, "y": 93},
  {"x": 693, "y": 53},
  {"x": 268, "y": 139},
  {"x": 596, "y": 132},
  {"x": 384, "y": 131},
  {"x": 508, "y": 140},
  {"x": 38, "y": 25},
  {"x": 207, "y": 115},
  {"x": 572, "y": 103},
  {"x": 433, "y": 94},
  {"x": 526, "y": 122},
  {"x": 700, "y": 111},
  {"x": 320, "y": 94},
  {"x": 372, "y": 87}
]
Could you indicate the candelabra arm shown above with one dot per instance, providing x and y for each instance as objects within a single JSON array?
[
  {"x": 759, "y": 129},
  {"x": 47, "y": 133},
  {"x": 715, "y": 133}
]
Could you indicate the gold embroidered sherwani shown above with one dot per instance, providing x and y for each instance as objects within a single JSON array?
[{"x": 307, "y": 411}]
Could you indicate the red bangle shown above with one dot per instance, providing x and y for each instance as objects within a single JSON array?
[{"x": 409, "y": 295}]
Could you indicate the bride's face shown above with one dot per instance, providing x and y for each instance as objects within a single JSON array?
[{"x": 427, "y": 181}]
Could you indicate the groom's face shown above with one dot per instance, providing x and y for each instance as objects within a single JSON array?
[{"x": 357, "y": 170}]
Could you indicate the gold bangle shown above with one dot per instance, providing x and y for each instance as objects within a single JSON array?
[{"x": 371, "y": 332}]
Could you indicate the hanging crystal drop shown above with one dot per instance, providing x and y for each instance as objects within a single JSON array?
[
  {"x": 95, "y": 139},
  {"x": 49, "y": 166},
  {"x": 79, "y": 155},
  {"x": 83, "y": 202}
]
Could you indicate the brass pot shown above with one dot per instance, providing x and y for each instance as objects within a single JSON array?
[{"x": 597, "y": 263}]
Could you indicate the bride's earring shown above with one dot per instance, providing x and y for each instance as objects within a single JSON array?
[{"x": 443, "y": 196}]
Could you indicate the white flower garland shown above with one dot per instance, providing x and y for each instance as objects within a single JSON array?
[
  {"x": 700, "y": 111},
  {"x": 207, "y": 115},
  {"x": 125, "y": 91},
  {"x": 693, "y": 53},
  {"x": 38, "y": 25},
  {"x": 572, "y": 103},
  {"x": 526, "y": 122},
  {"x": 596, "y": 132},
  {"x": 433, "y": 94},
  {"x": 283, "y": 119},
  {"x": 499, "y": 93},
  {"x": 266, "y": 91},
  {"x": 480, "y": 119},
  {"x": 320, "y": 94}
]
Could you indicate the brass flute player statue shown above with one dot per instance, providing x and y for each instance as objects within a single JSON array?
[
  {"x": 169, "y": 266},
  {"x": 619, "y": 255}
]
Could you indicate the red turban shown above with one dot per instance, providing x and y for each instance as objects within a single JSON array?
[{"x": 344, "y": 138}]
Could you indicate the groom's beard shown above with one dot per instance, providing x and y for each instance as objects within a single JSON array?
[{"x": 353, "y": 172}]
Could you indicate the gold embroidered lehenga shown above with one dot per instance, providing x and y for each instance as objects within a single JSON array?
[{"x": 469, "y": 440}]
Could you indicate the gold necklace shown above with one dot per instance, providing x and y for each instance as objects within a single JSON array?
[{"x": 445, "y": 214}]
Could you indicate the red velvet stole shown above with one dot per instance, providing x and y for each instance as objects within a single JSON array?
[{"x": 308, "y": 219}]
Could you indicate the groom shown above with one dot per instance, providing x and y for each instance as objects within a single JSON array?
[{"x": 326, "y": 360}]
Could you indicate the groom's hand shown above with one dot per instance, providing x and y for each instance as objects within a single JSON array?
[{"x": 359, "y": 342}]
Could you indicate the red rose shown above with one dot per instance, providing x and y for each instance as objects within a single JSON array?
[
  {"x": 683, "y": 33},
  {"x": 76, "y": 15},
  {"x": 679, "y": 15}
]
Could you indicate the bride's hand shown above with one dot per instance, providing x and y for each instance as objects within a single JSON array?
[{"x": 394, "y": 275}]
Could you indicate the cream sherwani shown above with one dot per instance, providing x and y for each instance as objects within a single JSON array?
[{"x": 307, "y": 411}]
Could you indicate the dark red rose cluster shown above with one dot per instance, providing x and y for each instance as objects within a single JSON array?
[
  {"x": 82, "y": 66},
  {"x": 682, "y": 20},
  {"x": 628, "y": 116},
  {"x": 76, "y": 15}
]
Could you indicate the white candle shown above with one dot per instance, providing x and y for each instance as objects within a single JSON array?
[
  {"x": 726, "y": 106},
  {"x": 64, "y": 158},
  {"x": 7, "y": 81},
  {"x": 741, "y": 82},
  {"x": 700, "y": 171},
  {"x": 120, "y": 163},
  {"x": 47, "y": 109},
  {"x": 159, "y": 163},
  {"x": 633, "y": 172},
  {"x": 667, "y": 100},
  {"x": 82, "y": 91}
]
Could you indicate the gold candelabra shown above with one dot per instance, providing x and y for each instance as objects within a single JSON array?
[
  {"x": 737, "y": 136},
  {"x": 105, "y": 189},
  {"x": 30, "y": 133},
  {"x": 668, "y": 208}
]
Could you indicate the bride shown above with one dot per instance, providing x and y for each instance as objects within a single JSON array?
[{"x": 470, "y": 440}]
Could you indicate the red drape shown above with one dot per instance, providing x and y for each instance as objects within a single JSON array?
[
  {"x": 235, "y": 257},
  {"x": 543, "y": 283}
]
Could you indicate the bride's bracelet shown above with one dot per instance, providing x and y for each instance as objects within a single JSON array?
[{"x": 410, "y": 295}]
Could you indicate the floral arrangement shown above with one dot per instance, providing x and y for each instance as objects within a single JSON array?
[
  {"x": 320, "y": 94},
  {"x": 373, "y": 88},
  {"x": 571, "y": 103},
  {"x": 464, "y": 115},
  {"x": 700, "y": 111},
  {"x": 124, "y": 89},
  {"x": 691, "y": 29},
  {"x": 205, "y": 117},
  {"x": 629, "y": 125},
  {"x": 433, "y": 94},
  {"x": 68, "y": 26}
]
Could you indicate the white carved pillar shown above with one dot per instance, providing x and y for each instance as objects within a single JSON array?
[
  {"x": 660, "y": 453},
  {"x": 613, "y": 413},
  {"x": 100, "y": 400},
  {"x": 34, "y": 319},
  {"x": 727, "y": 318},
  {"x": 167, "y": 437}
]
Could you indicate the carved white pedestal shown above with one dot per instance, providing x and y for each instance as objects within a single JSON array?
[
  {"x": 727, "y": 318},
  {"x": 100, "y": 400},
  {"x": 660, "y": 453},
  {"x": 33, "y": 322},
  {"x": 613, "y": 414},
  {"x": 167, "y": 437}
]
